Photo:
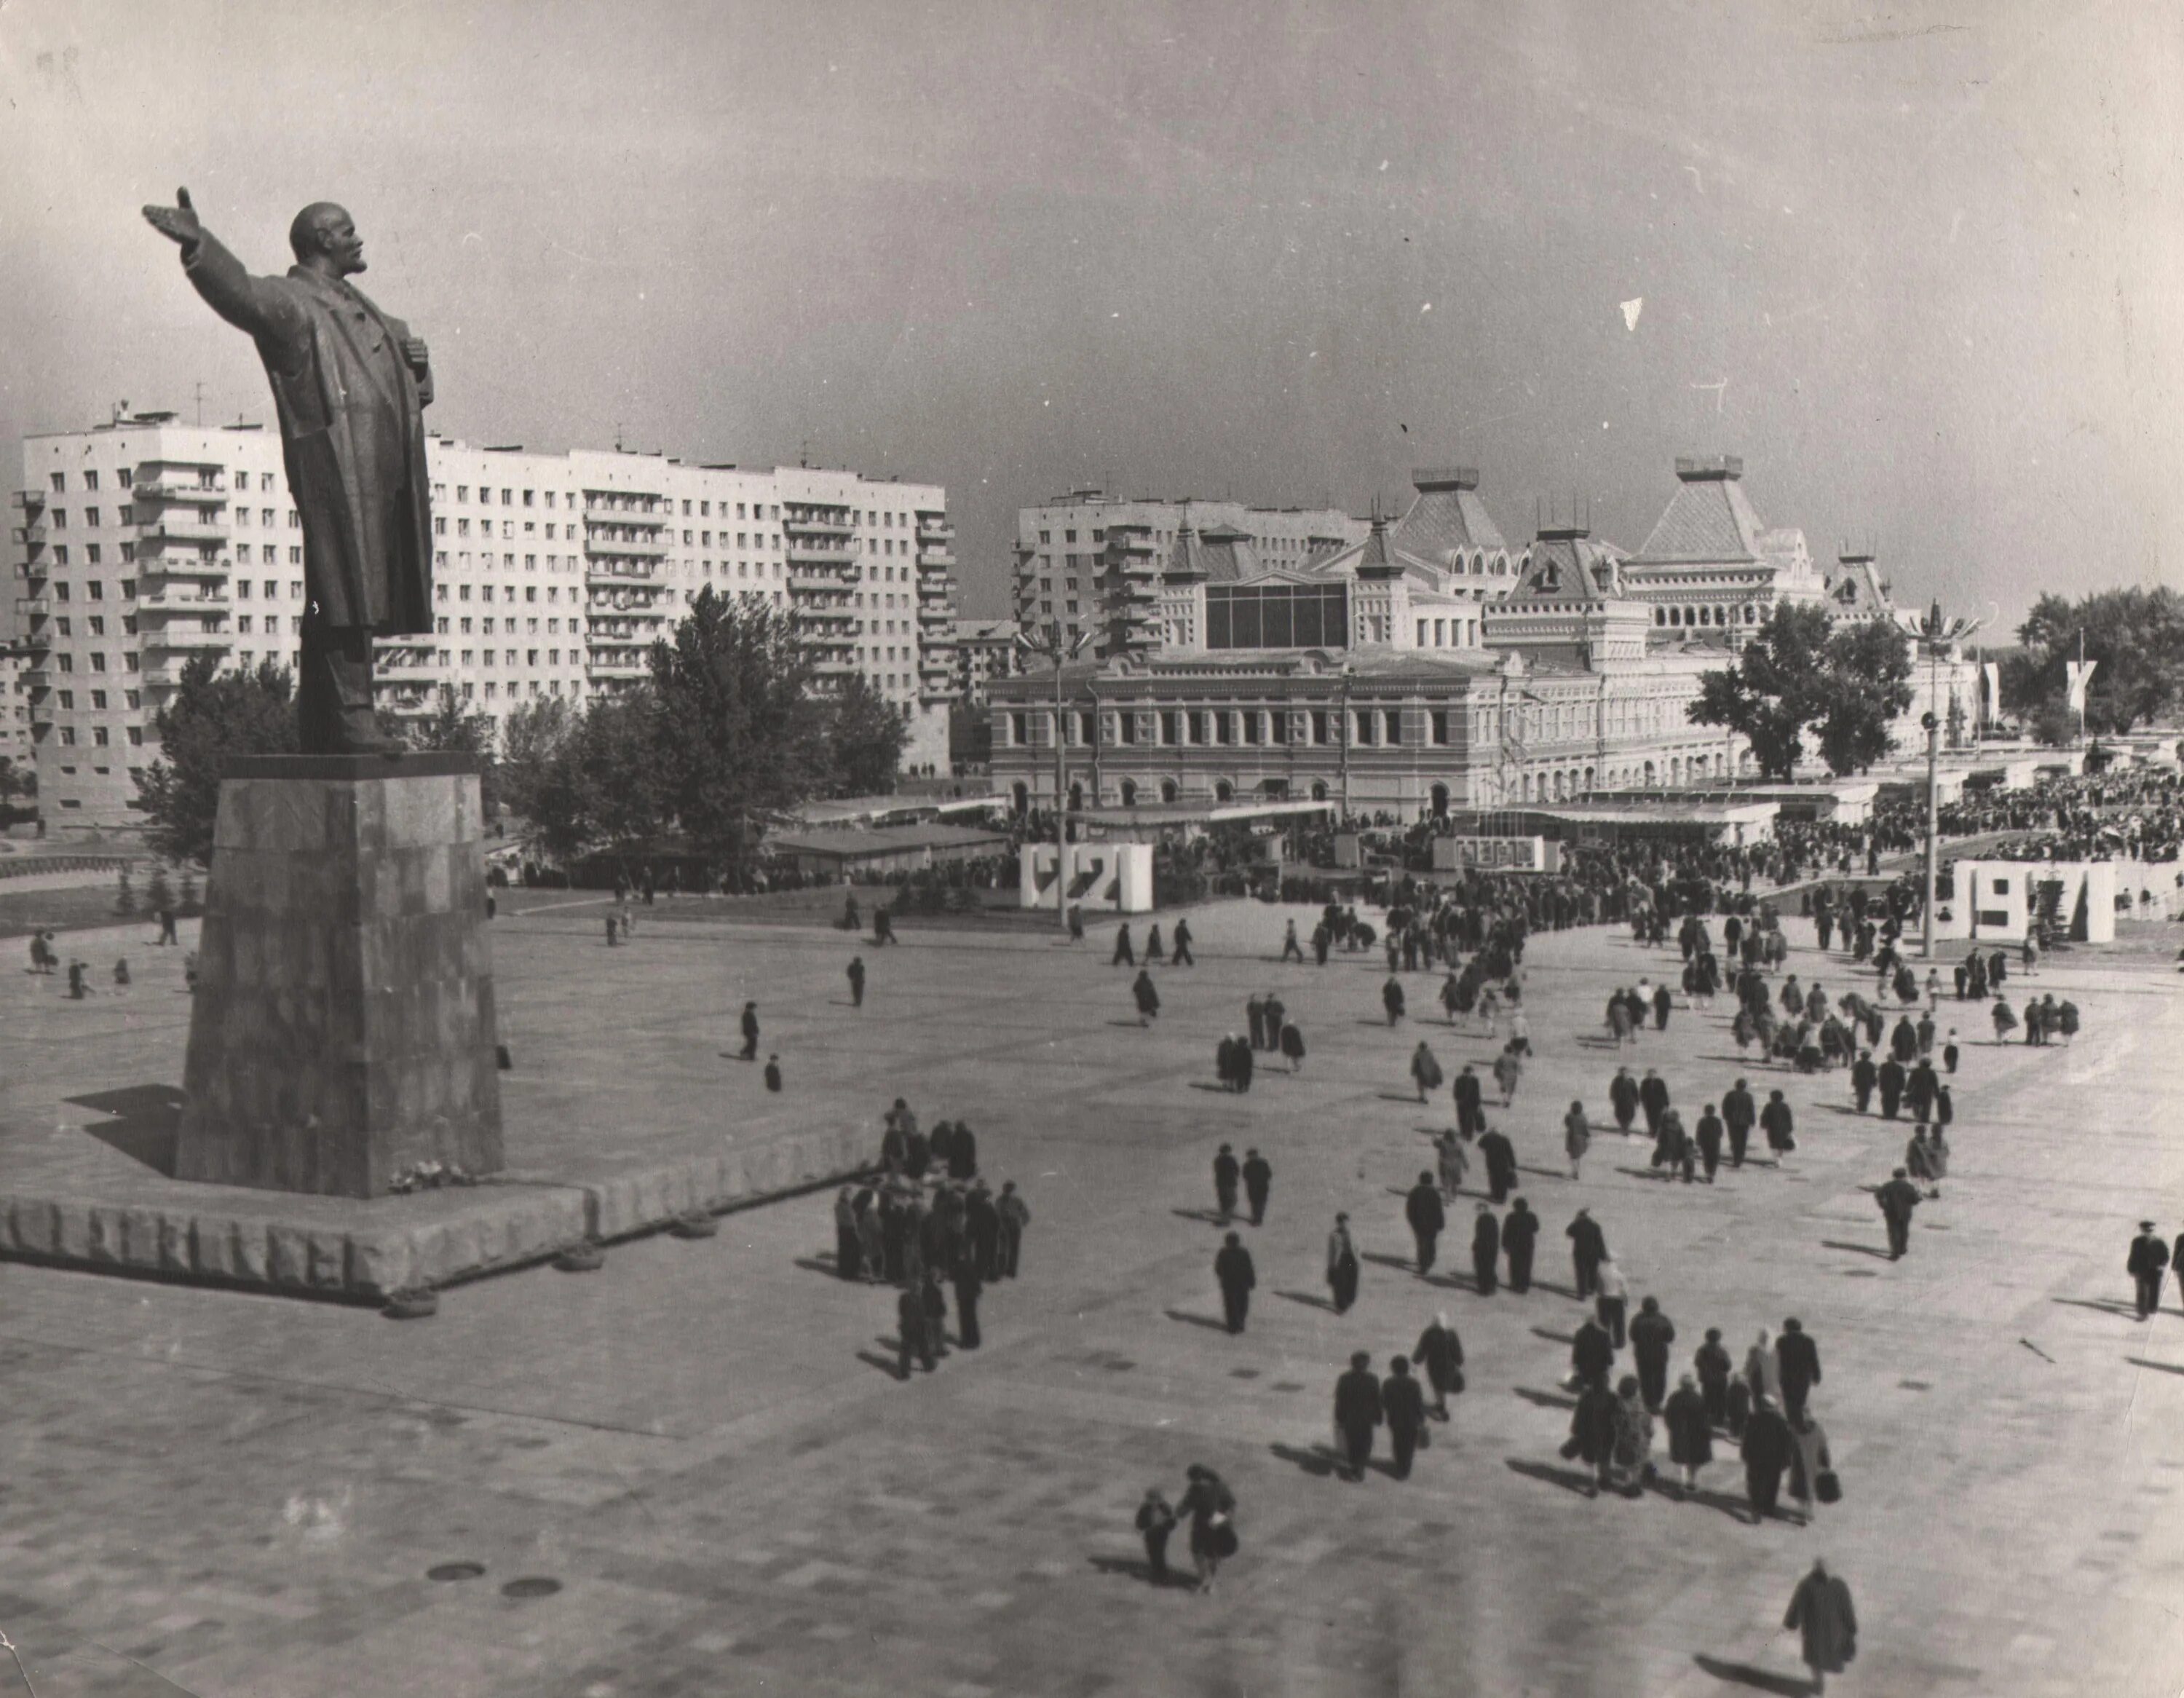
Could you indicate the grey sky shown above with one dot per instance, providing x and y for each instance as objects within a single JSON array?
[{"x": 1920, "y": 267}]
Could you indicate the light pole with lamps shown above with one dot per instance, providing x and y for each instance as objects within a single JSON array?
[
  {"x": 1933, "y": 633},
  {"x": 1061, "y": 651}
]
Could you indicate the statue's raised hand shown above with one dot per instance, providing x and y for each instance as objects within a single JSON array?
[{"x": 177, "y": 223}]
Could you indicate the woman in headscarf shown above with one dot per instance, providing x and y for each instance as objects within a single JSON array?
[
  {"x": 1632, "y": 1458},
  {"x": 1211, "y": 1507},
  {"x": 1440, "y": 1355}
]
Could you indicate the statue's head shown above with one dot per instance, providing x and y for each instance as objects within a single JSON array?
[{"x": 325, "y": 231}]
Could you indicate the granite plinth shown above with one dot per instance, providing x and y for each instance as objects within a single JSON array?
[{"x": 343, "y": 1026}]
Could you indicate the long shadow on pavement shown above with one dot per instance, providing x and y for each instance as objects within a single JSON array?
[
  {"x": 2106, "y": 1305},
  {"x": 146, "y": 1125},
  {"x": 1744, "y": 1674},
  {"x": 1319, "y": 1462},
  {"x": 1190, "y": 1319},
  {"x": 1309, "y": 1299},
  {"x": 1567, "y": 1478},
  {"x": 888, "y": 1366},
  {"x": 1544, "y": 1399},
  {"x": 1855, "y": 1249},
  {"x": 1137, "y": 1568},
  {"x": 2147, "y": 1362},
  {"x": 1554, "y": 1338}
]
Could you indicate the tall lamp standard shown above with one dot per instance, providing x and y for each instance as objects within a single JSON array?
[
  {"x": 1061, "y": 651},
  {"x": 1933, "y": 633},
  {"x": 1342, "y": 715}
]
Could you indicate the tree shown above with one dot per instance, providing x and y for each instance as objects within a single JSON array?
[
  {"x": 601, "y": 781},
  {"x": 741, "y": 738},
  {"x": 449, "y": 730},
  {"x": 1799, "y": 674},
  {"x": 1766, "y": 695},
  {"x": 2138, "y": 637},
  {"x": 531, "y": 738},
  {"x": 1864, "y": 685},
  {"x": 210, "y": 718},
  {"x": 865, "y": 737}
]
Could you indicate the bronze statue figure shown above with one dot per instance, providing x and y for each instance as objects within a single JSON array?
[{"x": 350, "y": 386}]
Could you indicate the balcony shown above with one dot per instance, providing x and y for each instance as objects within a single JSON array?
[
  {"x": 181, "y": 566},
  {"x": 175, "y": 486},
  {"x": 162, "y": 601},
  {"x": 934, "y": 530},
  {"x": 629, "y": 548},
  {"x": 601, "y": 576},
  {"x": 33, "y": 606},
  {"x": 161, "y": 532},
  {"x": 936, "y": 557},
  {"x": 834, "y": 665},
  {"x": 37, "y": 678},
  {"x": 33, "y": 536},
  {"x": 401, "y": 663},
  {"x": 164, "y": 674},
  {"x": 23, "y": 501},
  {"x": 818, "y": 554},
  {"x": 818, "y": 528},
  {"x": 186, "y": 639},
  {"x": 612, "y": 663},
  {"x": 822, "y": 616}
]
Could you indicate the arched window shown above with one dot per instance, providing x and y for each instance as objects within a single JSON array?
[
  {"x": 1439, "y": 802},
  {"x": 1649, "y": 775},
  {"x": 1660, "y": 616},
  {"x": 1076, "y": 796},
  {"x": 1224, "y": 790},
  {"x": 1587, "y": 790},
  {"x": 1751, "y": 614},
  {"x": 1170, "y": 790},
  {"x": 1129, "y": 792},
  {"x": 1527, "y": 791},
  {"x": 1558, "y": 788},
  {"x": 1319, "y": 789},
  {"x": 1022, "y": 792}
]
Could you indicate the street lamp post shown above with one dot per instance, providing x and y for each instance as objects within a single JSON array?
[
  {"x": 1060, "y": 651},
  {"x": 1342, "y": 713},
  {"x": 1933, "y": 633}
]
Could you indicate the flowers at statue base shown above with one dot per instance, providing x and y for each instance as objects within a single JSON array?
[{"x": 429, "y": 1176}]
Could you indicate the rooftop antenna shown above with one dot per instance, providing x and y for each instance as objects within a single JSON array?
[
  {"x": 200, "y": 388},
  {"x": 618, "y": 448},
  {"x": 804, "y": 453}
]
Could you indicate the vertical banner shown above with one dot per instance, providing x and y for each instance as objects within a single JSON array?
[
  {"x": 2081, "y": 673},
  {"x": 1990, "y": 676}
]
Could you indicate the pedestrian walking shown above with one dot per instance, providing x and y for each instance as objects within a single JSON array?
[
  {"x": 1342, "y": 1266},
  {"x": 1357, "y": 1413},
  {"x": 1292, "y": 1045},
  {"x": 1500, "y": 1156},
  {"x": 1425, "y": 1070},
  {"x": 1183, "y": 956},
  {"x": 1233, "y": 1273},
  {"x": 1125, "y": 956},
  {"x": 1391, "y": 998},
  {"x": 1403, "y": 1406},
  {"x": 1154, "y": 955},
  {"x": 1765, "y": 1451},
  {"x": 1508, "y": 1071},
  {"x": 1897, "y": 1198},
  {"x": 855, "y": 971},
  {"x": 1211, "y": 1507},
  {"x": 1611, "y": 1298},
  {"x": 1651, "y": 1333},
  {"x": 1577, "y": 1136},
  {"x": 1440, "y": 1355},
  {"x": 1710, "y": 1130},
  {"x": 1738, "y": 1114},
  {"x": 1780, "y": 1125},
  {"x": 1811, "y": 1472},
  {"x": 1470, "y": 1103},
  {"x": 1258, "y": 1184},
  {"x": 1653, "y": 1098},
  {"x": 1691, "y": 1431},
  {"x": 773, "y": 1074},
  {"x": 1821, "y": 1613},
  {"x": 1632, "y": 1466},
  {"x": 1520, "y": 1237},
  {"x": 1592, "y": 1355},
  {"x": 1147, "y": 998},
  {"x": 969, "y": 1284},
  {"x": 1016, "y": 1216},
  {"x": 1711, "y": 1360},
  {"x": 750, "y": 1031},
  {"x": 2149, "y": 1259},
  {"x": 1291, "y": 949},
  {"x": 1422, "y": 1209},
  {"x": 1863, "y": 1076},
  {"x": 1588, "y": 1250},
  {"x": 1226, "y": 1174},
  {"x": 1593, "y": 1434},
  {"x": 915, "y": 1340},
  {"x": 1155, "y": 1522},
  {"x": 1450, "y": 1162},
  {"x": 1486, "y": 1249},
  {"x": 1798, "y": 1367}
]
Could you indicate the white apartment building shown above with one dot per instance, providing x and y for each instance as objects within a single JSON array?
[
  {"x": 1092, "y": 561},
  {"x": 143, "y": 542}
]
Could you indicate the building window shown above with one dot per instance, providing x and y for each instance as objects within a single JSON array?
[
  {"x": 1394, "y": 719},
  {"x": 1438, "y": 719}
]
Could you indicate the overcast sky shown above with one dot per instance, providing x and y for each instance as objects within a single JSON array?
[{"x": 1918, "y": 266}]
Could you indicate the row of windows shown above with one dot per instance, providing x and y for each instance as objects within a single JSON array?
[{"x": 1220, "y": 727}]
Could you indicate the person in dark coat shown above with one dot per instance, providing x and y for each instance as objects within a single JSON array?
[
  {"x": 750, "y": 1031},
  {"x": 1710, "y": 1131},
  {"x": 1739, "y": 1114},
  {"x": 1623, "y": 1099},
  {"x": 1690, "y": 1430},
  {"x": 1254, "y": 1018},
  {"x": 1897, "y": 1198},
  {"x": 1798, "y": 1358},
  {"x": 2148, "y": 1257},
  {"x": 1592, "y": 1432},
  {"x": 1470, "y": 1103},
  {"x": 1422, "y": 1209},
  {"x": 1391, "y": 998},
  {"x": 982, "y": 1230},
  {"x": 1766, "y": 1453},
  {"x": 1439, "y": 1353},
  {"x": 1234, "y": 1273},
  {"x": 943, "y": 1142},
  {"x": 1592, "y": 1353},
  {"x": 1258, "y": 1184},
  {"x": 1520, "y": 1237},
  {"x": 1821, "y": 1612},
  {"x": 856, "y": 973},
  {"x": 773, "y": 1073},
  {"x": 1226, "y": 1173},
  {"x": 1156, "y": 1521},
  {"x": 1486, "y": 1249},
  {"x": 1662, "y": 1002},
  {"x": 1919, "y": 1091},
  {"x": 1358, "y": 1411},
  {"x": 1500, "y": 1156},
  {"x": 969, "y": 1284},
  {"x": 1780, "y": 1126},
  {"x": 1863, "y": 1076},
  {"x": 1403, "y": 1406},
  {"x": 1016, "y": 1216},
  {"x": 1125, "y": 956},
  {"x": 936, "y": 1312},
  {"x": 849, "y": 1253},
  {"x": 1292, "y": 1045},
  {"x": 1653, "y": 1098},
  {"x": 1148, "y": 999},
  {"x": 1211, "y": 1507},
  {"x": 1154, "y": 955},
  {"x": 1342, "y": 1266},
  {"x": 910, "y": 1325},
  {"x": 1651, "y": 1332},
  {"x": 1588, "y": 1250},
  {"x": 1714, "y": 1368}
]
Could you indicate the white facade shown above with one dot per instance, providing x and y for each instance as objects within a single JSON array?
[{"x": 144, "y": 542}]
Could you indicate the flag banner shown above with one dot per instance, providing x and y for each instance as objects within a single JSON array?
[
  {"x": 1992, "y": 673},
  {"x": 2081, "y": 673}
]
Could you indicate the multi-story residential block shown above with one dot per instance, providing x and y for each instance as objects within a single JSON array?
[
  {"x": 144, "y": 542},
  {"x": 15, "y": 704},
  {"x": 1093, "y": 562},
  {"x": 985, "y": 650}
]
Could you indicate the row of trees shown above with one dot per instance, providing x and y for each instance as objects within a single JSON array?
[
  {"x": 2138, "y": 637},
  {"x": 1801, "y": 675},
  {"x": 727, "y": 736}
]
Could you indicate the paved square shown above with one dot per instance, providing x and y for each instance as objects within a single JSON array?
[{"x": 695, "y": 1473}]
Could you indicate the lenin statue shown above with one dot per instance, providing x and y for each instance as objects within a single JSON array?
[{"x": 349, "y": 384}]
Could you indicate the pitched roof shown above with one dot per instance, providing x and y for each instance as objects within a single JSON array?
[
  {"x": 1226, "y": 554},
  {"x": 1569, "y": 566},
  {"x": 1446, "y": 518},
  {"x": 1708, "y": 518},
  {"x": 1858, "y": 590}
]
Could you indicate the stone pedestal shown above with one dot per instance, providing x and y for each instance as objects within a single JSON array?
[{"x": 344, "y": 1027}]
